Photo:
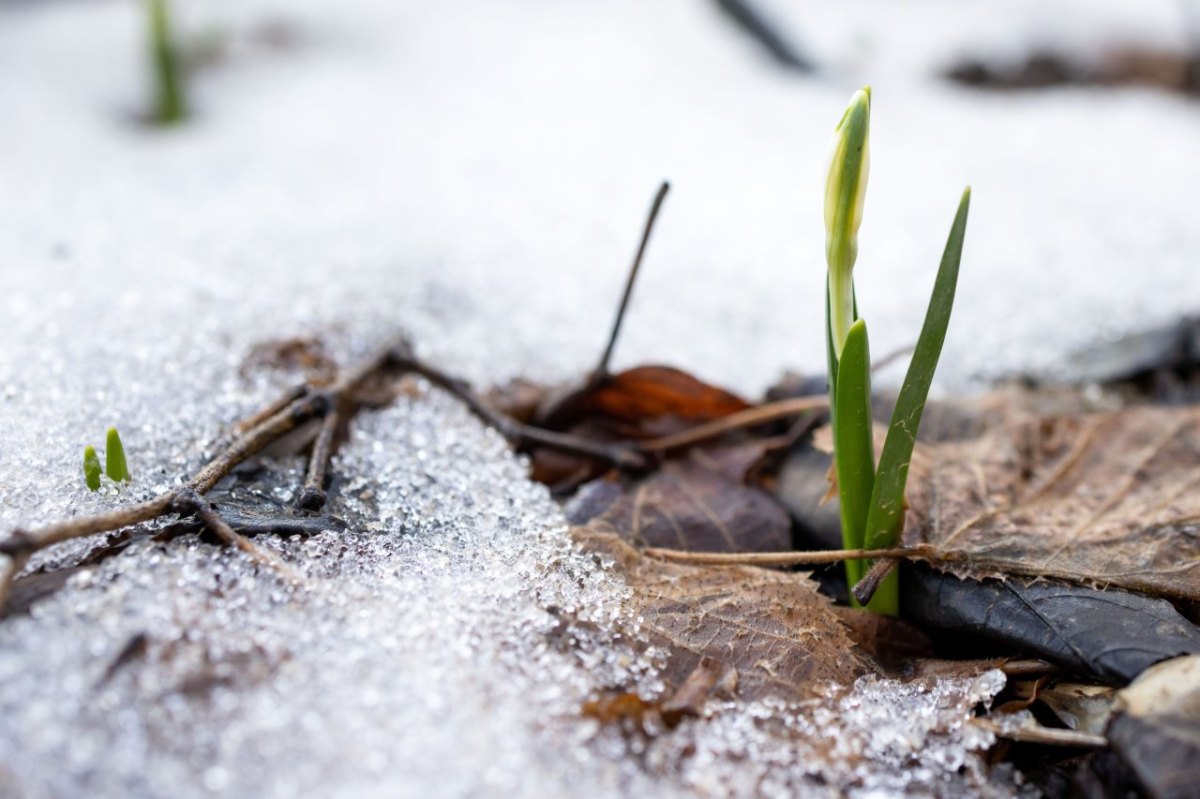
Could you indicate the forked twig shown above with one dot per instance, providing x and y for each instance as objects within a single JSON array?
[{"x": 297, "y": 407}]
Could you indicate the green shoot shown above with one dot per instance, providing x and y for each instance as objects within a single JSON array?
[
  {"x": 855, "y": 464},
  {"x": 170, "y": 105},
  {"x": 91, "y": 468},
  {"x": 114, "y": 457},
  {"x": 872, "y": 498}
]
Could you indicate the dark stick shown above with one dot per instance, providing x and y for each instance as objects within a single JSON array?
[
  {"x": 518, "y": 433},
  {"x": 755, "y": 24},
  {"x": 865, "y": 588},
  {"x": 601, "y": 372},
  {"x": 256, "y": 439},
  {"x": 275, "y": 407},
  {"x": 188, "y": 500},
  {"x": 312, "y": 496}
]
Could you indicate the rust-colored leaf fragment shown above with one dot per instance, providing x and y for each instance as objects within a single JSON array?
[
  {"x": 633, "y": 714},
  {"x": 647, "y": 401},
  {"x": 1110, "y": 499},
  {"x": 780, "y": 634}
]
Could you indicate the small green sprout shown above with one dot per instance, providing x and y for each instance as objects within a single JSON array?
[
  {"x": 872, "y": 497},
  {"x": 170, "y": 104},
  {"x": 114, "y": 457},
  {"x": 91, "y": 468}
]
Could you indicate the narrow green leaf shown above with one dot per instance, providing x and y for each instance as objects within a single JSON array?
[
  {"x": 887, "y": 503},
  {"x": 853, "y": 447},
  {"x": 114, "y": 457},
  {"x": 91, "y": 468},
  {"x": 170, "y": 105}
]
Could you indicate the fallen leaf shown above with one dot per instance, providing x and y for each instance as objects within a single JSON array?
[
  {"x": 697, "y": 504},
  {"x": 1156, "y": 731},
  {"x": 646, "y": 401},
  {"x": 1110, "y": 499},
  {"x": 781, "y": 636},
  {"x": 1111, "y": 635}
]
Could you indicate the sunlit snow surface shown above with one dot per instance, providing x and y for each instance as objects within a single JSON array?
[{"x": 476, "y": 174}]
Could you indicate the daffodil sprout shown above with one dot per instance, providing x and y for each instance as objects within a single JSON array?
[
  {"x": 871, "y": 496},
  {"x": 845, "y": 190}
]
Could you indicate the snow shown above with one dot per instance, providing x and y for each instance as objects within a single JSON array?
[{"x": 477, "y": 175}]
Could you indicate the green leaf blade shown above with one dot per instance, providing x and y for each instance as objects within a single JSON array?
[
  {"x": 886, "y": 515},
  {"x": 853, "y": 446},
  {"x": 114, "y": 457},
  {"x": 91, "y": 468}
]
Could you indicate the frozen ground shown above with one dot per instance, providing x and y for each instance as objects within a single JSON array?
[{"x": 477, "y": 175}]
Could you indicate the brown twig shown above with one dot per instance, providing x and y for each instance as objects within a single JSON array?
[
  {"x": 312, "y": 495},
  {"x": 751, "y": 417},
  {"x": 1037, "y": 734},
  {"x": 781, "y": 558},
  {"x": 518, "y": 433},
  {"x": 188, "y": 501},
  {"x": 600, "y": 374},
  {"x": 865, "y": 588}
]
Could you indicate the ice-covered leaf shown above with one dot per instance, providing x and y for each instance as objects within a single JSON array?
[
  {"x": 774, "y": 628},
  {"x": 1109, "y": 499}
]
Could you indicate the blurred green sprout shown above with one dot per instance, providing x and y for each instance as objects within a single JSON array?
[
  {"x": 91, "y": 468},
  {"x": 114, "y": 462},
  {"x": 872, "y": 495},
  {"x": 169, "y": 105}
]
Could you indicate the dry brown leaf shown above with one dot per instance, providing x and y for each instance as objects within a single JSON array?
[
  {"x": 697, "y": 504},
  {"x": 1110, "y": 499},
  {"x": 774, "y": 628}
]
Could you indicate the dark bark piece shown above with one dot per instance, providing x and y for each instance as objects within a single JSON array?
[
  {"x": 693, "y": 505},
  {"x": 775, "y": 629},
  {"x": 1107, "y": 499},
  {"x": 1111, "y": 635}
]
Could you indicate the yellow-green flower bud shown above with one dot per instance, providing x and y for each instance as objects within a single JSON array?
[{"x": 845, "y": 189}]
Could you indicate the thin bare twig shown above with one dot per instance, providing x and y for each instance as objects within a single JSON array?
[
  {"x": 601, "y": 372},
  {"x": 190, "y": 501},
  {"x": 518, "y": 433},
  {"x": 312, "y": 495},
  {"x": 781, "y": 558},
  {"x": 1037, "y": 734},
  {"x": 751, "y": 417}
]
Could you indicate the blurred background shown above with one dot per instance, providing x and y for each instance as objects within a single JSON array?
[{"x": 478, "y": 172}]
